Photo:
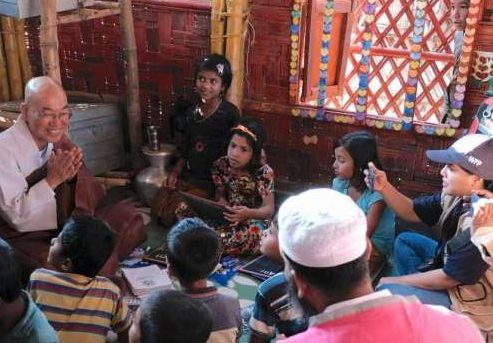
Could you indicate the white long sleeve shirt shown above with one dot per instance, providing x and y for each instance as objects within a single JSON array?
[{"x": 25, "y": 209}]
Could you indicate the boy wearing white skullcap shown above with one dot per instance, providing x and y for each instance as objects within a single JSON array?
[{"x": 322, "y": 236}]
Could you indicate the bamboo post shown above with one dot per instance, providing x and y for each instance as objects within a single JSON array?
[
  {"x": 4, "y": 82},
  {"x": 21, "y": 48},
  {"x": 48, "y": 39},
  {"x": 235, "y": 47},
  {"x": 217, "y": 27},
  {"x": 244, "y": 22},
  {"x": 13, "y": 67},
  {"x": 132, "y": 79}
]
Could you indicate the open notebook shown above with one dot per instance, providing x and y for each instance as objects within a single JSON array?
[{"x": 144, "y": 280}]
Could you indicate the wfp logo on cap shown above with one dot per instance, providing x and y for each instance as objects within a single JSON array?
[{"x": 474, "y": 161}]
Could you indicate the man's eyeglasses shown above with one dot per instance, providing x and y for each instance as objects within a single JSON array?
[{"x": 50, "y": 115}]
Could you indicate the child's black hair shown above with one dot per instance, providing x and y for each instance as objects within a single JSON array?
[
  {"x": 255, "y": 136},
  {"x": 487, "y": 184},
  {"x": 193, "y": 249},
  {"x": 172, "y": 316},
  {"x": 10, "y": 276},
  {"x": 362, "y": 147},
  {"x": 88, "y": 242},
  {"x": 218, "y": 64}
]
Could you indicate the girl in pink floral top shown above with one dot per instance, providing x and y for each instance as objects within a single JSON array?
[{"x": 246, "y": 187}]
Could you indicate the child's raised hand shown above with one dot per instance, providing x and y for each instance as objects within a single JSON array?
[
  {"x": 237, "y": 214},
  {"x": 379, "y": 178},
  {"x": 482, "y": 193},
  {"x": 484, "y": 217},
  {"x": 482, "y": 231}
]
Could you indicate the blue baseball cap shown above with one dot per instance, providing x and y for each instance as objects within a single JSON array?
[{"x": 473, "y": 152}]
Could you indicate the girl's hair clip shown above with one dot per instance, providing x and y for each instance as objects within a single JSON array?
[
  {"x": 220, "y": 69},
  {"x": 245, "y": 130}
]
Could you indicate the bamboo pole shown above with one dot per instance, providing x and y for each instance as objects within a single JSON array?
[
  {"x": 4, "y": 81},
  {"x": 48, "y": 40},
  {"x": 13, "y": 67},
  {"x": 21, "y": 48},
  {"x": 245, "y": 21},
  {"x": 132, "y": 79},
  {"x": 217, "y": 26},
  {"x": 235, "y": 47}
]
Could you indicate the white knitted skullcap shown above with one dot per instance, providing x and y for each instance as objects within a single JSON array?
[{"x": 322, "y": 228}]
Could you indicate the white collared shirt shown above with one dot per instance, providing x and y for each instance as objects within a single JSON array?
[{"x": 25, "y": 209}]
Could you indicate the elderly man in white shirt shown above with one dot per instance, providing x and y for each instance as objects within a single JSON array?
[
  {"x": 43, "y": 180},
  {"x": 27, "y": 146}
]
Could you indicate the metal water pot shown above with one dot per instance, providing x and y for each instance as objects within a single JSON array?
[{"x": 149, "y": 180}]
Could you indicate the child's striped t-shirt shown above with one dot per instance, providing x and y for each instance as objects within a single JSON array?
[{"x": 80, "y": 309}]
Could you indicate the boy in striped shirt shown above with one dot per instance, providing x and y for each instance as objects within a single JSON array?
[{"x": 81, "y": 306}]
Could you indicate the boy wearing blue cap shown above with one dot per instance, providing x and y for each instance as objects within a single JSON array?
[{"x": 458, "y": 277}]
